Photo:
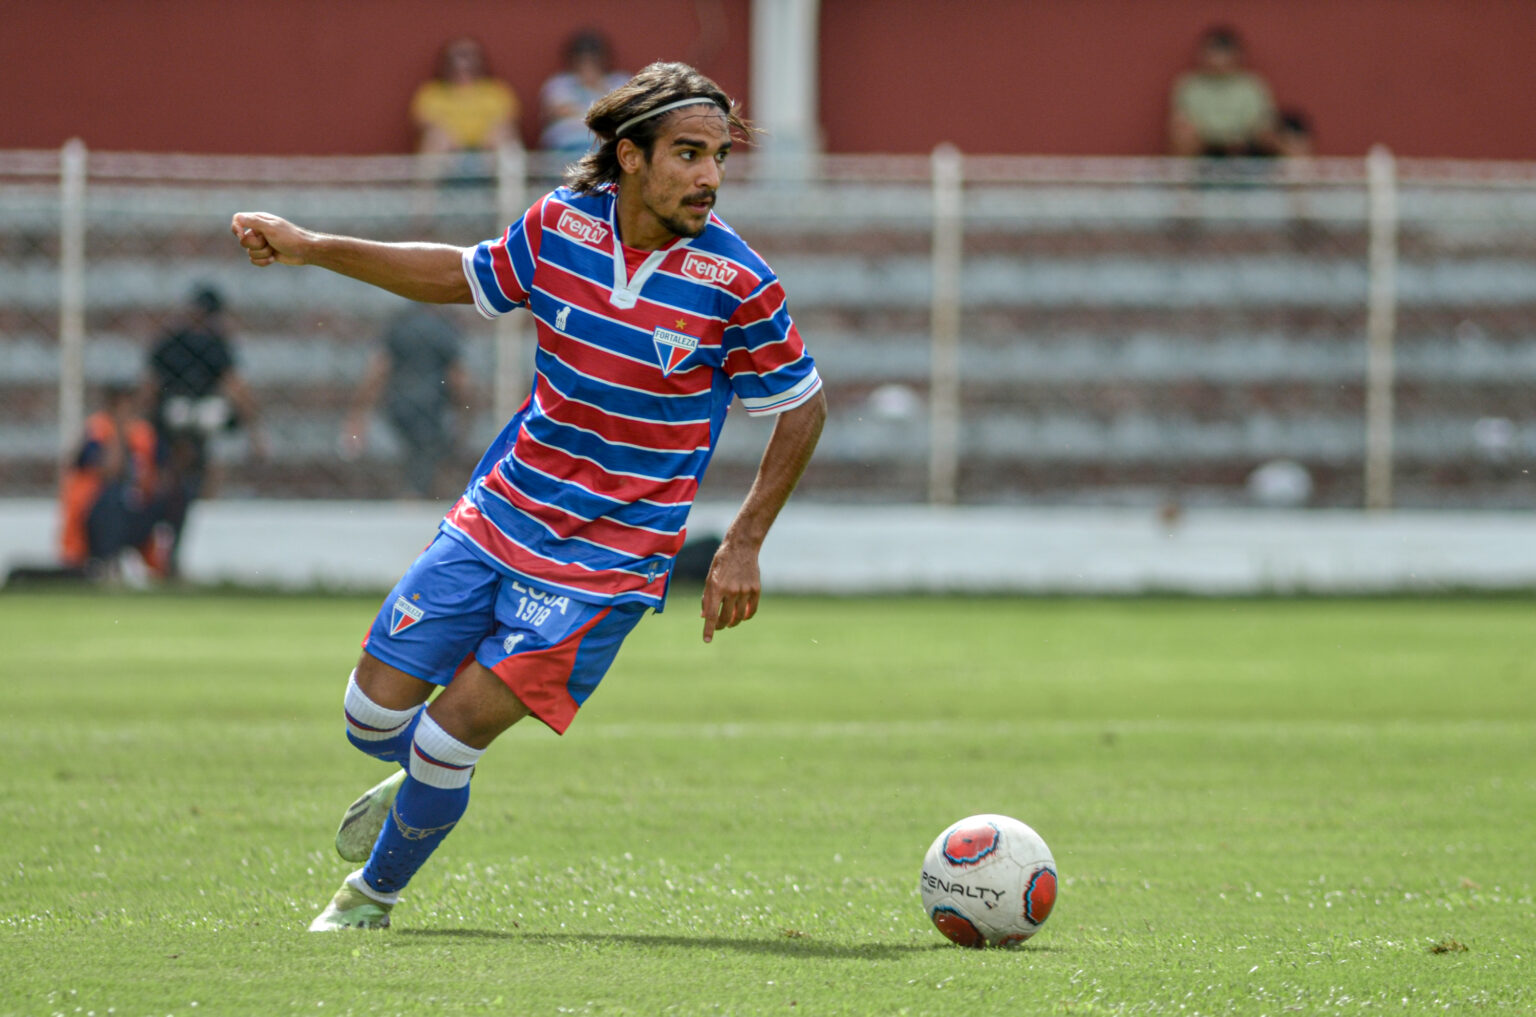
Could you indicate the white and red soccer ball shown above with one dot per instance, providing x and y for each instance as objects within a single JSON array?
[{"x": 988, "y": 881}]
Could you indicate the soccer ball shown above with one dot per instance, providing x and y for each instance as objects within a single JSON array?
[{"x": 988, "y": 881}]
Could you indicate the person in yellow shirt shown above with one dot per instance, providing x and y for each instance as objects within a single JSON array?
[
  {"x": 464, "y": 109},
  {"x": 1220, "y": 108}
]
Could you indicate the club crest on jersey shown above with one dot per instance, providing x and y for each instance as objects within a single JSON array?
[
  {"x": 583, "y": 228},
  {"x": 404, "y": 615},
  {"x": 672, "y": 348},
  {"x": 706, "y": 268}
]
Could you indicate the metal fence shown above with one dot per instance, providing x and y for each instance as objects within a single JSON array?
[{"x": 1129, "y": 331}]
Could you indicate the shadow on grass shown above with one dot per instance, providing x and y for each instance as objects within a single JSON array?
[{"x": 787, "y": 946}]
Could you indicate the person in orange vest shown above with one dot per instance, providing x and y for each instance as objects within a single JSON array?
[{"x": 111, "y": 499}]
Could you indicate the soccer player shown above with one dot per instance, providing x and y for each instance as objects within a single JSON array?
[{"x": 652, "y": 314}]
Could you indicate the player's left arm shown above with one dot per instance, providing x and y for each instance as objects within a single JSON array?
[
  {"x": 734, "y": 585},
  {"x": 430, "y": 273}
]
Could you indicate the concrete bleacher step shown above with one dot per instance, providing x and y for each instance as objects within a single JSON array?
[{"x": 1105, "y": 346}]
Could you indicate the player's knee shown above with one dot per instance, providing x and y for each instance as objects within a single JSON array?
[
  {"x": 378, "y": 730},
  {"x": 477, "y": 707}
]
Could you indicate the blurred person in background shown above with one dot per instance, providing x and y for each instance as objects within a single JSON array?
[
  {"x": 1220, "y": 108},
  {"x": 1293, "y": 134},
  {"x": 463, "y": 113},
  {"x": 113, "y": 498},
  {"x": 652, "y": 316},
  {"x": 196, "y": 392},
  {"x": 426, "y": 392},
  {"x": 565, "y": 98}
]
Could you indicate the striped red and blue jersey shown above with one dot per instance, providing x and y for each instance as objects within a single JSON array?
[{"x": 587, "y": 489}]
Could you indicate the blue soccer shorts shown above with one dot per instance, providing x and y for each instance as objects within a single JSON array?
[{"x": 451, "y": 607}]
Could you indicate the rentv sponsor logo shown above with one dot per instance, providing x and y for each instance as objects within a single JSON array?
[
  {"x": 708, "y": 269},
  {"x": 579, "y": 227}
]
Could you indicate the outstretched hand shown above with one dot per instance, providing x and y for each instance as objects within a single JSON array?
[
  {"x": 269, "y": 239},
  {"x": 731, "y": 590}
]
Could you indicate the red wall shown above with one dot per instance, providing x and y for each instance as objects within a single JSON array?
[
  {"x": 1088, "y": 77},
  {"x": 1426, "y": 77},
  {"x": 305, "y": 76}
]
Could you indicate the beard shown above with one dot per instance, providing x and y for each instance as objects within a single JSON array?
[
  {"x": 683, "y": 229},
  {"x": 680, "y": 226}
]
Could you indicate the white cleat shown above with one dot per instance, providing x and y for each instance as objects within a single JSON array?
[
  {"x": 365, "y": 818},
  {"x": 351, "y": 909}
]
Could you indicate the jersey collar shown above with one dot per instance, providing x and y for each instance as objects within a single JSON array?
[{"x": 626, "y": 288}]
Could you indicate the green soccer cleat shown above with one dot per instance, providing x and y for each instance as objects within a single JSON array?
[
  {"x": 351, "y": 908},
  {"x": 365, "y": 818}
]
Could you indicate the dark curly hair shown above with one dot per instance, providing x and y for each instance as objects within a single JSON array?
[{"x": 651, "y": 89}]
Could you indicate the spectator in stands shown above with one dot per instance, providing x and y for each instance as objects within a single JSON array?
[
  {"x": 1220, "y": 108},
  {"x": 463, "y": 111},
  {"x": 196, "y": 392},
  {"x": 565, "y": 97},
  {"x": 426, "y": 393},
  {"x": 112, "y": 498},
  {"x": 1293, "y": 133}
]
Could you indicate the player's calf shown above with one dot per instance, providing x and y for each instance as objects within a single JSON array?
[{"x": 427, "y": 807}]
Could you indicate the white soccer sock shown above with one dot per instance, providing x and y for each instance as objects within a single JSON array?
[
  {"x": 367, "y": 721},
  {"x": 438, "y": 759},
  {"x": 358, "y": 883}
]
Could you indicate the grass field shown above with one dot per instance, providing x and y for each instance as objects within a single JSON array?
[{"x": 1256, "y": 807}]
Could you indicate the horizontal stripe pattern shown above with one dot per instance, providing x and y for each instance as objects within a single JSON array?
[{"x": 591, "y": 490}]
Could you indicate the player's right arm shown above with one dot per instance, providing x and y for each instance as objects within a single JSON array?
[{"x": 431, "y": 273}]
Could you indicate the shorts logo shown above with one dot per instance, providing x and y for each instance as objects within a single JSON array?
[
  {"x": 404, "y": 615},
  {"x": 709, "y": 269},
  {"x": 582, "y": 228},
  {"x": 672, "y": 348},
  {"x": 510, "y": 643},
  {"x": 969, "y": 845},
  {"x": 1041, "y": 896}
]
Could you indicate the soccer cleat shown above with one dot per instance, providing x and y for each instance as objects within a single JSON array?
[
  {"x": 365, "y": 818},
  {"x": 351, "y": 909}
]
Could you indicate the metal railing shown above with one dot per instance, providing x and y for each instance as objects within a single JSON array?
[{"x": 991, "y": 328}]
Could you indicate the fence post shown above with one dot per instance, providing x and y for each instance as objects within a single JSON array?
[
  {"x": 944, "y": 318},
  {"x": 71, "y": 295},
  {"x": 508, "y": 387},
  {"x": 1380, "y": 327}
]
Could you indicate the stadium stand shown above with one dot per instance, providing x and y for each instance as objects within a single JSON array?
[{"x": 1131, "y": 332}]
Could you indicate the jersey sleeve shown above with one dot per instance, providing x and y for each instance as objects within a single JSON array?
[
  {"x": 500, "y": 272},
  {"x": 764, "y": 357}
]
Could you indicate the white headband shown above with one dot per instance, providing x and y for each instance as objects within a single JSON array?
[{"x": 632, "y": 121}]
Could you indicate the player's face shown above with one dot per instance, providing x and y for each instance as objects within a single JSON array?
[{"x": 687, "y": 163}]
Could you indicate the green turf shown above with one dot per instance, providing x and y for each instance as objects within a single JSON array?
[{"x": 1256, "y": 807}]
